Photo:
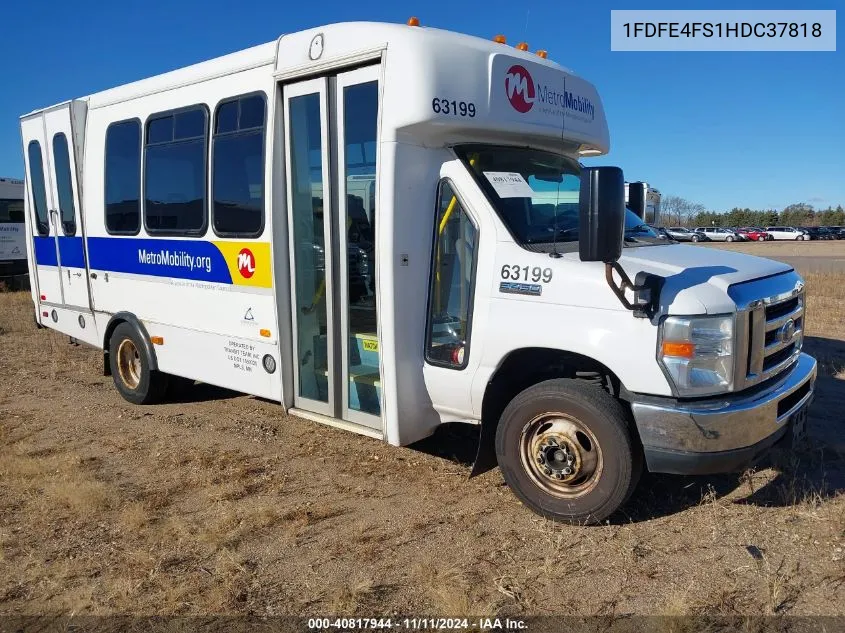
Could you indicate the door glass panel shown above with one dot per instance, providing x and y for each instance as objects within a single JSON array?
[
  {"x": 36, "y": 185},
  {"x": 61, "y": 166},
  {"x": 452, "y": 277},
  {"x": 360, "y": 123},
  {"x": 306, "y": 166}
]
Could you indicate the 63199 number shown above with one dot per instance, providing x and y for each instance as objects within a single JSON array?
[{"x": 455, "y": 108}]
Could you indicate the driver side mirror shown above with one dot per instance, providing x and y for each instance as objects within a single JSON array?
[{"x": 602, "y": 214}]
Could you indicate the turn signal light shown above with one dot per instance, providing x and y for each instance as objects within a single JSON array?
[
  {"x": 684, "y": 350},
  {"x": 522, "y": 46},
  {"x": 157, "y": 340},
  {"x": 542, "y": 53},
  {"x": 500, "y": 39},
  {"x": 412, "y": 21},
  {"x": 264, "y": 333}
]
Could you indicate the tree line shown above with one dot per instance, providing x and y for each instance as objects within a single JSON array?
[{"x": 677, "y": 211}]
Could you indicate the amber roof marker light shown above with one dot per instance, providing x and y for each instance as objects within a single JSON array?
[
  {"x": 500, "y": 39},
  {"x": 413, "y": 21},
  {"x": 522, "y": 46},
  {"x": 544, "y": 54}
]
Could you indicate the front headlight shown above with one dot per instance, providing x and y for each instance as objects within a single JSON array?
[{"x": 697, "y": 353}]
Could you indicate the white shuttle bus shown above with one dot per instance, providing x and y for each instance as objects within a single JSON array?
[
  {"x": 387, "y": 228},
  {"x": 12, "y": 232}
]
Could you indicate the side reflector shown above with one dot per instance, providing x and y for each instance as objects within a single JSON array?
[
  {"x": 157, "y": 340},
  {"x": 684, "y": 350},
  {"x": 45, "y": 314},
  {"x": 413, "y": 21},
  {"x": 264, "y": 333},
  {"x": 43, "y": 297}
]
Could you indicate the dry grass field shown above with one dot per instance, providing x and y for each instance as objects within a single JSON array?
[{"x": 219, "y": 503}]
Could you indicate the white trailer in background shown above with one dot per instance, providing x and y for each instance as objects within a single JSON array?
[
  {"x": 644, "y": 201},
  {"x": 13, "y": 269},
  {"x": 386, "y": 228}
]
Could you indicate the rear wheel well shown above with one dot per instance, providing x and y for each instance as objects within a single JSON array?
[{"x": 131, "y": 319}]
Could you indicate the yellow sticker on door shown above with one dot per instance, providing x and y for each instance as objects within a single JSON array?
[{"x": 370, "y": 344}]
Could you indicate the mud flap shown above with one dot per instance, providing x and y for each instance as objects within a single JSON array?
[{"x": 485, "y": 456}]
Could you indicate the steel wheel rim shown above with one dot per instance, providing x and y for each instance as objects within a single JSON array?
[
  {"x": 129, "y": 363},
  {"x": 553, "y": 442}
]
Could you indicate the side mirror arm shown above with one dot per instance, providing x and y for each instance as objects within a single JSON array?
[{"x": 646, "y": 294}]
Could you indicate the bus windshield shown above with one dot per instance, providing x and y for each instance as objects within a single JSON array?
[{"x": 536, "y": 193}]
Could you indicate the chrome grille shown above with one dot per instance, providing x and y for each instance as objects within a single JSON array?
[{"x": 770, "y": 327}]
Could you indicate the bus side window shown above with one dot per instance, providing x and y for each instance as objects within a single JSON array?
[
  {"x": 452, "y": 283},
  {"x": 123, "y": 178},
  {"x": 237, "y": 172},
  {"x": 175, "y": 172}
]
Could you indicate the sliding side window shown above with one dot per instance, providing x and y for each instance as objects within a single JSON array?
[
  {"x": 452, "y": 282},
  {"x": 237, "y": 175},
  {"x": 175, "y": 198}
]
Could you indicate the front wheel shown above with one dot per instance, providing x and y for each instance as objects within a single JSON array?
[
  {"x": 729, "y": 238},
  {"x": 566, "y": 450},
  {"x": 695, "y": 238}
]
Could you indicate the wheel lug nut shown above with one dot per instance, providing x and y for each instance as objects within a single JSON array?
[
  {"x": 548, "y": 471},
  {"x": 567, "y": 471}
]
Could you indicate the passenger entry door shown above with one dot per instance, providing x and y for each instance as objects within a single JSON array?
[{"x": 331, "y": 126}]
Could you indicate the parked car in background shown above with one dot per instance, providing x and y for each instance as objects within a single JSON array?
[
  {"x": 662, "y": 233},
  {"x": 683, "y": 234},
  {"x": 720, "y": 234},
  {"x": 838, "y": 232},
  {"x": 825, "y": 233},
  {"x": 786, "y": 233},
  {"x": 814, "y": 232},
  {"x": 753, "y": 233}
]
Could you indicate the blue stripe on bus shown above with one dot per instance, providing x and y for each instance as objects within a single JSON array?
[
  {"x": 70, "y": 251},
  {"x": 45, "y": 251},
  {"x": 197, "y": 260}
]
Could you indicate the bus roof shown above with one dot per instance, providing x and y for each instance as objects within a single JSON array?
[{"x": 516, "y": 92}]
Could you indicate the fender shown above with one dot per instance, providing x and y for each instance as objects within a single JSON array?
[{"x": 135, "y": 322}]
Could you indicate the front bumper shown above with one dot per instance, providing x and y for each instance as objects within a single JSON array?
[{"x": 721, "y": 434}]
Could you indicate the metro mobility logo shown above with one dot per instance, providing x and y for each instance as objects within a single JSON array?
[
  {"x": 246, "y": 263},
  {"x": 519, "y": 86},
  {"x": 523, "y": 93}
]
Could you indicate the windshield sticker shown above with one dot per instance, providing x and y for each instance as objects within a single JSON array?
[{"x": 509, "y": 184}]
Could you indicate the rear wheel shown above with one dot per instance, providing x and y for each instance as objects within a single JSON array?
[
  {"x": 131, "y": 368},
  {"x": 566, "y": 450},
  {"x": 729, "y": 238},
  {"x": 695, "y": 238}
]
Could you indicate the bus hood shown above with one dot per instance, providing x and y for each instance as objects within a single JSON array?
[{"x": 696, "y": 278}]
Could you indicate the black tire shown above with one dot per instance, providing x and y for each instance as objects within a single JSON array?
[
  {"x": 612, "y": 445},
  {"x": 695, "y": 238},
  {"x": 134, "y": 380}
]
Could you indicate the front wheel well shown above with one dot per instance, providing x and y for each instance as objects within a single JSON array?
[{"x": 524, "y": 368}]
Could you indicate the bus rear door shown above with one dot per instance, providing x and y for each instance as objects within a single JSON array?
[{"x": 61, "y": 273}]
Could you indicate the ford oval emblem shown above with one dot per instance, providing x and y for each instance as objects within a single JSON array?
[{"x": 787, "y": 331}]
